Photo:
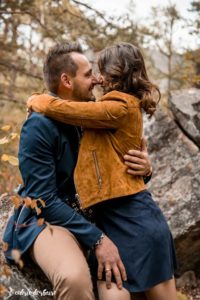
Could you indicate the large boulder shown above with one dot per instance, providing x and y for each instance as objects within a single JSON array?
[
  {"x": 185, "y": 105},
  {"x": 176, "y": 185}
]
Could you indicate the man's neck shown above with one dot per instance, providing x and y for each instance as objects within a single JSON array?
[{"x": 64, "y": 95}]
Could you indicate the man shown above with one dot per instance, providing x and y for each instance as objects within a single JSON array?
[{"x": 47, "y": 155}]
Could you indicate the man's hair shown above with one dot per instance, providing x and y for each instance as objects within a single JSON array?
[{"x": 58, "y": 61}]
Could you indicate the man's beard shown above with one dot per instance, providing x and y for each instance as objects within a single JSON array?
[{"x": 80, "y": 96}]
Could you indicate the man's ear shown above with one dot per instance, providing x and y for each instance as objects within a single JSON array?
[{"x": 66, "y": 80}]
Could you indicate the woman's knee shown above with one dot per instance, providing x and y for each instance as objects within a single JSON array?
[
  {"x": 163, "y": 291},
  {"x": 113, "y": 293}
]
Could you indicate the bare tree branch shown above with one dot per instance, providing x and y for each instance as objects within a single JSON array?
[
  {"x": 21, "y": 70},
  {"x": 3, "y": 12},
  {"x": 101, "y": 15},
  {"x": 12, "y": 100}
]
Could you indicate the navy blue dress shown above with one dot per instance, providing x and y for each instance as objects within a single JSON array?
[{"x": 138, "y": 228}]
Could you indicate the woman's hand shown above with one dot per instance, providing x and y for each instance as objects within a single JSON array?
[{"x": 138, "y": 162}]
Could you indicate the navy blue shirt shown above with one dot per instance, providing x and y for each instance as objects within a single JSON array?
[{"x": 47, "y": 156}]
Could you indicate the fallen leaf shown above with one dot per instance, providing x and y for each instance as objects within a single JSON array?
[
  {"x": 33, "y": 204},
  {"x": 40, "y": 221},
  {"x": 181, "y": 296},
  {"x": 4, "y": 246},
  {"x": 6, "y": 271},
  {"x": 4, "y": 140},
  {"x": 16, "y": 200},
  {"x": 16, "y": 255},
  {"x": 21, "y": 263},
  {"x": 42, "y": 202},
  {"x": 27, "y": 201},
  {"x": 6, "y": 127},
  {"x": 11, "y": 159},
  {"x": 49, "y": 227},
  {"x": 3, "y": 290},
  {"x": 14, "y": 135},
  {"x": 4, "y": 157},
  {"x": 38, "y": 210}
]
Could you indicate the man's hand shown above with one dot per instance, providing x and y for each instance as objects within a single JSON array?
[
  {"x": 138, "y": 162},
  {"x": 110, "y": 262}
]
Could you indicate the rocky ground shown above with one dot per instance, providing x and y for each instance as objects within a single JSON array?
[{"x": 29, "y": 280}]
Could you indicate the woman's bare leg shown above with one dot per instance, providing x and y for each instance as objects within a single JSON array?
[
  {"x": 113, "y": 293},
  {"x": 163, "y": 291}
]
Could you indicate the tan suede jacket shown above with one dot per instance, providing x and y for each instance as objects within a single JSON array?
[{"x": 112, "y": 126}]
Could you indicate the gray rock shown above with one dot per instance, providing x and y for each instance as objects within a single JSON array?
[
  {"x": 188, "y": 279},
  {"x": 176, "y": 186},
  {"x": 185, "y": 105},
  {"x": 27, "y": 283}
]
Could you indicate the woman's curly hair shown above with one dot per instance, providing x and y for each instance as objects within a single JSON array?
[{"x": 124, "y": 70}]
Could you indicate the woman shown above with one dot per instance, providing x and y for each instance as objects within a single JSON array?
[{"x": 125, "y": 210}]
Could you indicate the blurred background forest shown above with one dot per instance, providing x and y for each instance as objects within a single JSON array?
[{"x": 29, "y": 28}]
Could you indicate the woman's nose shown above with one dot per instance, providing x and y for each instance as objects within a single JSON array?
[
  {"x": 100, "y": 79},
  {"x": 94, "y": 79}
]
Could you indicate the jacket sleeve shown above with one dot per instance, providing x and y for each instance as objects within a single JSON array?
[
  {"x": 100, "y": 114},
  {"x": 38, "y": 169}
]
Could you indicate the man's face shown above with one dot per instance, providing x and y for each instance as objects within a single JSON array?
[{"x": 84, "y": 81}]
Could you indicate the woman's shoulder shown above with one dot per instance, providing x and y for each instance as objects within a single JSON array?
[{"x": 116, "y": 95}]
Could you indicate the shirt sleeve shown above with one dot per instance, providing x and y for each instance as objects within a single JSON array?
[{"x": 38, "y": 170}]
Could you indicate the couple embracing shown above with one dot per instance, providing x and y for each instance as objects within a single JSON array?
[{"x": 87, "y": 160}]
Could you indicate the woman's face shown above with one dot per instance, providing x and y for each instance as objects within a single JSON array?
[{"x": 103, "y": 83}]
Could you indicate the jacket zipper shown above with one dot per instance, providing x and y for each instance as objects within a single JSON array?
[
  {"x": 77, "y": 194},
  {"x": 97, "y": 169}
]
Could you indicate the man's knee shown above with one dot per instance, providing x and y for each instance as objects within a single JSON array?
[
  {"x": 79, "y": 279},
  {"x": 75, "y": 284}
]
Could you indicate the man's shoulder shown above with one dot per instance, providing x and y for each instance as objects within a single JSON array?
[
  {"x": 40, "y": 122},
  {"x": 38, "y": 125},
  {"x": 40, "y": 119}
]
